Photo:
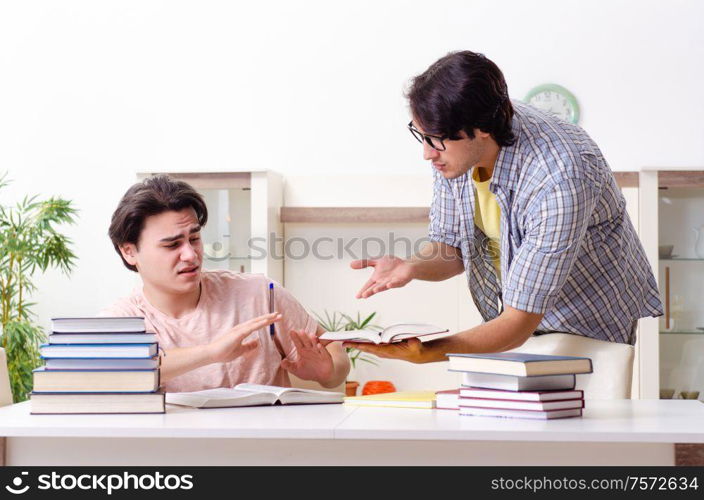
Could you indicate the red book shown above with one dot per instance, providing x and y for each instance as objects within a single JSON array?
[
  {"x": 533, "y": 415},
  {"x": 476, "y": 392},
  {"x": 521, "y": 405}
]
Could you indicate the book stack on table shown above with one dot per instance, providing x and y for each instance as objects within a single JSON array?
[
  {"x": 518, "y": 385},
  {"x": 98, "y": 365}
]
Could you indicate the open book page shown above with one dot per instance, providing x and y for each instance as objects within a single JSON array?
[
  {"x": 293, "y": 395},
  {"x": 353, "y": 336},
  {"x": 274, "y": 389},
  {"x": 222, "y": 397},
  {"x": 393, "y": 333},
  {"x": 397, "y": 333}
]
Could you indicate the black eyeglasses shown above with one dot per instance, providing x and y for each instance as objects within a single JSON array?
[{"x": 434, "y": 141}]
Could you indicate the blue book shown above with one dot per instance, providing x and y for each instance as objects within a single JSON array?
[
  {"x": 98, "y": 350},
  {"x": 102, "y": 363},
  {"x": 519, "y": 364}
]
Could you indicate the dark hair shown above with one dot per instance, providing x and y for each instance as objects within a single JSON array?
[
  {"x": 152, "y": 196},
  {"x": 462, "y": 91}
]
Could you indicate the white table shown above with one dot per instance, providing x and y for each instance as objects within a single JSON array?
[{"x": 620, "y": 432}]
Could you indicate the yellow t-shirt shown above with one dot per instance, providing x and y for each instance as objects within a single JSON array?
[{"x": 487, "y": 217}]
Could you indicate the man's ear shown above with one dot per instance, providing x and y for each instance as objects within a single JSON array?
[
  {"x": 129, "y": 253},
  {"x": 481, "y": 133}
]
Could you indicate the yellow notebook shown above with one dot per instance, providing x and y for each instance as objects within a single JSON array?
[{"x": 404, "y": 399}]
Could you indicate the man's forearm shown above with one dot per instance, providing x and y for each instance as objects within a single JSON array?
[
  {"x": 341, "y": 364},
  {"x": 508, "y": 331},
  {"x": 180, "y": 360},
  {"x": 436, "y": 262}
]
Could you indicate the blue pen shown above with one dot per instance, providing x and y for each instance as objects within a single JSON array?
[{"x": 271, "y": 306}]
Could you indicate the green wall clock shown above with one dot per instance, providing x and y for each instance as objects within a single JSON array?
[{"x": 554, "y": 99}]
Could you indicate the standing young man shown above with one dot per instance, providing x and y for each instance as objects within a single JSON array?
[
  {"x": 527, "y": 206},
  {"x": 212, "y": 326}
]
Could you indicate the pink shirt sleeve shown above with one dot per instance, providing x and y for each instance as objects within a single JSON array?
[
  {"x": 122, "y": 307},
  {"x": 294, "y": 317}
]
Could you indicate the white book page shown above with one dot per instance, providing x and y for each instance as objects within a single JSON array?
[
  {"x": 274, "y": 389},
  {"x": 393, "y": 333},
  {"x": 399, "y": 332},
  {"x": 354, "y": 335},
  {"x": 293, "y": 395},
  {"x": 271, "y": 389},
  {"x": 219, "y": 397}
]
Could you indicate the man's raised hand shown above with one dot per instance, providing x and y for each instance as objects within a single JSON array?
[
  {"x": 231, "y": 344},
  {"x": 389, "y": 272}
]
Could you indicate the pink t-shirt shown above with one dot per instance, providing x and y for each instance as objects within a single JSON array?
[{"x": 226, "y": 300}]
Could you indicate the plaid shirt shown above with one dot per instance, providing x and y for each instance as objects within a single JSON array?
[{"x": 568, "y": 248}]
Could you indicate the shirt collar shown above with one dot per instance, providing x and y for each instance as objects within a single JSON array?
[{"x": 507, "y": 167}]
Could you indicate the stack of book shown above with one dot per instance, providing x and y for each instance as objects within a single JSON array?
[
  {"x": 98, "y": 365},
  {"x": 518, "y": 385}
]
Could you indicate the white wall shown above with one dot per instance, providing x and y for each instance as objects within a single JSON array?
[{"x": 92, "y": 92}]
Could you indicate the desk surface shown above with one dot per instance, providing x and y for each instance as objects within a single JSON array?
[{"x": 636, "y": 421}]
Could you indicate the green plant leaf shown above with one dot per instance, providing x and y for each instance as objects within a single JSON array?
[
  {"x": 344, "y": 322},
  {"x": 29, "y": 241}
]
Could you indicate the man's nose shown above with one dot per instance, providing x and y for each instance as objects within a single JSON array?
[
  {"x": 188, "y": 253},
  {"x": 430, "y": 153}
]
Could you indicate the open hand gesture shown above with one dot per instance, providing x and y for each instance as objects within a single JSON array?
[
  {"x": 389, "y": 272},
  {"x": 407, "y": 350},
  {"x": 235, "y": 342},
  {"x": 310, "y": 360}
]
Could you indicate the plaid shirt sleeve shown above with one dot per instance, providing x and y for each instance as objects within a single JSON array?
[
  {"x": 554, "y": 232},
  {"x": 444, "y": 217}
]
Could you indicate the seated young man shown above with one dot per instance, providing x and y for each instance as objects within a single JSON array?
[{"x": 212, "y": 326}]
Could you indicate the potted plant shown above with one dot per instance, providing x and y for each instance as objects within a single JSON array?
[
  {"x": 28, "y": 242},
  {"x": 343, "y": 322}
]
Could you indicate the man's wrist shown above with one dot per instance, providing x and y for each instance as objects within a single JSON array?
[
  {"x": 430, "y": 354},
  {"x": 209, "y": 354},
  {"x": 436, "y": 350},
  {"x": 412, "y": 266},
  {"x": 329, "y": 382}
]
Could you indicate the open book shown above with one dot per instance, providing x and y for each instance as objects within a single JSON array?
[
  {"x": 251, "y": 395},
  {"x": 391, "y": 334}
]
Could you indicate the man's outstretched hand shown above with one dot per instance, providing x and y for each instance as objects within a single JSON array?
[
  {"x": 409, "y": 350},
  {"x": 389, "y": 272}
]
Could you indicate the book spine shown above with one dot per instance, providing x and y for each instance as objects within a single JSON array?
[{"x": 158, "y": 371}]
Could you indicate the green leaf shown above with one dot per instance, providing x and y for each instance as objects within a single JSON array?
[
  {"x": 29, "y": 241},
  {"x": 346, "y": 322},
  {"x": 21, "y": 341}
]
